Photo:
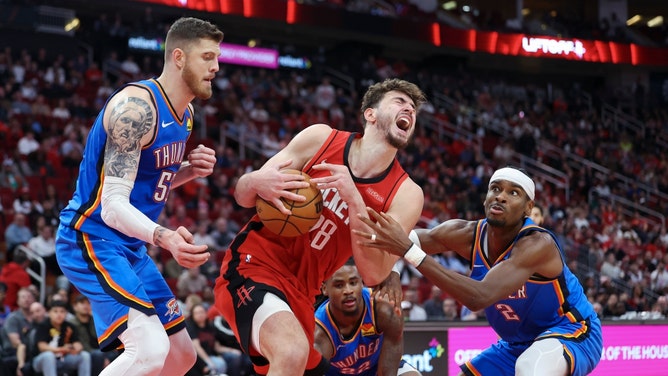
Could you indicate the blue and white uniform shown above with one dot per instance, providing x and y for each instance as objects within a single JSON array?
[
  {"x": 359, "y": 354},
  {"x": 542, "y": 308},
  {"x": 110, "y": 268}
]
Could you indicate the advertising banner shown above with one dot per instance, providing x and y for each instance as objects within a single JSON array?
[{"x": 627, "y": 349}]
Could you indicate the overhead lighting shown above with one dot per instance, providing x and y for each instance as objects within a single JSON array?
[
  {"x": 655, "y": 22},
  {"x": 633, "y": 20},
  {"x": 72, "y": 25},
  {"x": 450, "y": 5},
  {"x": 466, "y": 8},
  {"x": 526, "y": 12}
]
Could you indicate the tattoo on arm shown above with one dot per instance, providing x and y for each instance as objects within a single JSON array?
[
  {"x": 158, "y": 236},
  {"x": 129, "y": 121}
]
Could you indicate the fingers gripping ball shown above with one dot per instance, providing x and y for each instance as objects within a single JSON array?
[{"x": 304, "y": 214}]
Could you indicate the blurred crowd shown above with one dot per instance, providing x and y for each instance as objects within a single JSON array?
[{"x": 48, "y": 101}]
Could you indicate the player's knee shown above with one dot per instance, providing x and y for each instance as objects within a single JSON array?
[
  {"x": 146, "y": 343},
  {"x": 544, "y": 357},
  {"x": 152, "y": 355},
  {"x": 182, "y": 355}
]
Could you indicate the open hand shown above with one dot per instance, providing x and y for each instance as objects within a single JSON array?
[{"x": 385, "y": 233}]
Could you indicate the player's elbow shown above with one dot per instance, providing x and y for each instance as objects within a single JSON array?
[
  {"x": 373, "y": 279},
  {"x": 108, "y": 215},
  {"x": 479, "y": 302}
]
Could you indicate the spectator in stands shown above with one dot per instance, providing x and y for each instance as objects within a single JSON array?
[
  {"x": 450, "y": 260},
  {"x": 10, "y": 175},
  {"x": 659, "y": 278},
  {"x": 15, "y": 276},
  {"x": 14, "y": 331},
  {"x": 611, "y": 267},
  {"x": 213, "y": 356},
  {"x": 44, "y": 245},
  {"x": 191, "y": 281},
  {"x": 181, "y": 218},
  {"x": 613, "y": 307},
  {"x": 37, "y": 313},
  {"x": 57, "y": 346},
  {"x": 24, "y": 203},
  {"x": 537, "y": 214},
  {"x": 130, "y": 68},
  {"x": 17, "y": 233},
  {"x": 202, "y": 235},
  {"x": 450, "y": 310},
  {"x": 28, "y": 144},
  {"x": 467, "y": 315},
  {"x": 325, "y": 94},
  {"x": 83, "y": 322},
  {"x": 71, "y": 150},
  {"x": 61, "y": 111},
  {"x": 434, "y": 304},
  {"x": 222, "y": 234},
  {"x": 412, "y": 309}
]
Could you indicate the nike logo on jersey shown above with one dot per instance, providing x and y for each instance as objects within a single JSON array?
[{"x": 165, "y": 125}]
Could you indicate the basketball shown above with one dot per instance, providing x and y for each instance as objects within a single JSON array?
[{"x": 304, "y": 214}]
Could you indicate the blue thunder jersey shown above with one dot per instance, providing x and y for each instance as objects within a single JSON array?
[
  {"x": 540, "y": 304},
  {"x": 158, "y": 164},
  {"x": 359, "y": 354}
]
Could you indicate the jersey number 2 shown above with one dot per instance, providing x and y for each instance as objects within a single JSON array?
[{"x": 508, "y": 312}]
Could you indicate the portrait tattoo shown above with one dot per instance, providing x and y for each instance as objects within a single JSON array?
[{"x": 129, "y": 121}]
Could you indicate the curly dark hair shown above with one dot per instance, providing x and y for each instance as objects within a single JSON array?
[{"x": 377, "y": 91}]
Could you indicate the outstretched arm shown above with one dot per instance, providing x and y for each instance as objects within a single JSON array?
[{"x": 535, "y": 253}]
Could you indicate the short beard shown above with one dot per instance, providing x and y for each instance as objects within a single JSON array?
[
  {"x": 397, "y": 143},
  {"x": 496, "y": 222},
  {"x": 194, "y": 84}
]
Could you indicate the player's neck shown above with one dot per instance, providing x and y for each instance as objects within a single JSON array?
[
  {"x": 347, "y": 325},
  {"x": 369, "y": 158},
  {"x": 497, "y": 241},
  {"x": 175, "y": 90}
]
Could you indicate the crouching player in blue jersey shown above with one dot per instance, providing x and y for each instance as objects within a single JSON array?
[
  {"x": 359, "y": 335},
  {"x": 518, "y": 275}
]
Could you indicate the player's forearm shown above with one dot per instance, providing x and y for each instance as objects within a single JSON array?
[
  {"x": 390, "y": 358},
  {"x": 465, "y": 290},
  {"x": 184, "y": 175},
  {"x": 374, "y": 265},
  {"x": 244, "y": 192},
  {"x": 118, "y": 213}
]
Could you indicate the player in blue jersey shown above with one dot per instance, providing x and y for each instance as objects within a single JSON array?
[
  {"x": 518, "y": 275},
  {"x": 359, "y": 335},
  {"x": 135, "y": 154}
]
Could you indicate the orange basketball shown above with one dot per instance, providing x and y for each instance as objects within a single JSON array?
[{"x": 304, "y": 214}]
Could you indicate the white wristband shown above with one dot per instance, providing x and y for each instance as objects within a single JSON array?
[{"x": 415, "y": 255}]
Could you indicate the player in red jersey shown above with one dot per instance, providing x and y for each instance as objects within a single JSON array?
[{"x": 268, "y": 283}]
